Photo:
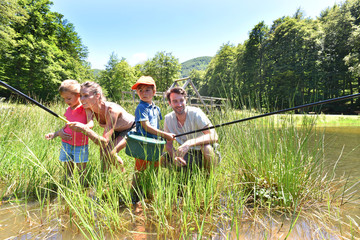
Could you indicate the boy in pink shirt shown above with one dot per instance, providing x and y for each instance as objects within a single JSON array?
[{"x": 74, "y": 148}]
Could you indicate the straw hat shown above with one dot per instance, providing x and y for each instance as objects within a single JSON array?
[{"x": 146, "y": 80}]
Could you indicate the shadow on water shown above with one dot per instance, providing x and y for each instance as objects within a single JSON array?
[{"x": 28, "y": 222}]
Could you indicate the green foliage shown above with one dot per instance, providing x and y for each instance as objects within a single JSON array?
[
  {"x": 268, "y": 164},
  {"x": 96, "y": 72},
  {"x": 117, "y": 77},
  {"x": 164, "y": 68},
  {"x": 249, "y": 65},
  {"x": 199, "y": 63},
  {"x": 198, "y": 78},
  {"x": 218, "y": 74},
  {"x": 296, "y": 60},
  {"x": 10, "y": 12},
  {"x": 43, "y": 50}
]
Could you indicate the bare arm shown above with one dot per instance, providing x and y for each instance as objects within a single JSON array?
[
  {"x": 60, "y": 133},
  {"x": 209, "y": 137},
  {"x": 50, "y": 136},
  {"x": 150, "y": 129},
  {"x": 89, "y": 117},
  {"x": 111, "y": 119},
  {"x": 170, "y": 148},
  {"x": 80, "y": 127}
]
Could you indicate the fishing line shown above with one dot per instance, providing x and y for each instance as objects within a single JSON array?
[
  {"x": 31, "y": 100},
  {"x": 272, "y": 113}
]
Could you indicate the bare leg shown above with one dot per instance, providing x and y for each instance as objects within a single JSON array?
[
  {"x": 69, "y": 168},
  {"x": 210, "y": 158},
  {"x": 82, "y": 171}
]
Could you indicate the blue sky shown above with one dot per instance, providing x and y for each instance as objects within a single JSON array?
[{"x": 138, "y": 29}]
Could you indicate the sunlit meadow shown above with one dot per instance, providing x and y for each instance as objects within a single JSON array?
[{"x": 272, "y": 173}]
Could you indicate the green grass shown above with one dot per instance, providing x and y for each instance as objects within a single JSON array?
[{"x": 271, "y": 167}]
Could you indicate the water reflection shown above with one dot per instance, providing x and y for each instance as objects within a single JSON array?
[
  {"x": 340, "y": 142},
  {"x": 343, "y": 143}
]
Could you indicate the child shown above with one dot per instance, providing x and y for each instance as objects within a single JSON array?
[
  {"x": 147, "y": 118},
  {"x": 74, "y": 144},
  {"x": 147, "y": 115}
]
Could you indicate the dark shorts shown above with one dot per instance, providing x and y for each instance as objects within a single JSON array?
[
  {"x": 193, "y": 158},
  {"x": 123, "y": 134}
]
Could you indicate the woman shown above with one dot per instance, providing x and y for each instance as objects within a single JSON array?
[{"x": 111, "y": 116}]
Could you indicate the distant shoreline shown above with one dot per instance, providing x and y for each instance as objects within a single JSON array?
[{"x": 328, "y": 119}]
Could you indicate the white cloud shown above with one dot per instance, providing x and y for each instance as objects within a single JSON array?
[{"x": 138, "y": 58}]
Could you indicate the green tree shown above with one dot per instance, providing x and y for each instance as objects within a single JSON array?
[
  {"x": 292, "y": 50},
  {"x": 239, "y": 93},
  {"x": 39, "y": 60},
  {"x": 337, "y": 24},
  {"x": 198, "y": 79},
  {"x": 253, "y": 61},
  {"x": 219, "y": 73},
  {"x": 352, "y": 59},
  {"x": 118, "y": 76},
  {"x": 10, "y": 12},
  {"x": 164, "y": 68}
]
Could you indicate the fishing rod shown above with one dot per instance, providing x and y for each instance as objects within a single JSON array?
[
  {"x": 272, "y": 113},
  {"x": 31, "y": 100}
]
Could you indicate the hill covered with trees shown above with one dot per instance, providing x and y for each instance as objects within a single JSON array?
[
  {"x": 199, "y": 63},
  {"x": 295, "y": 60}
]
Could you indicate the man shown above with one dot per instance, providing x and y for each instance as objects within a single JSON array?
[{"x": 195, "y": 149}]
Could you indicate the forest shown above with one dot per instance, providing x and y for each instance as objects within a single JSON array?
[
  {"x": 294, "y": 61},
  {"x": 199, "y": 63}
]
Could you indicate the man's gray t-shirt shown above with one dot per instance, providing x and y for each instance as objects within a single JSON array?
[{"x": 195, "y": 120}]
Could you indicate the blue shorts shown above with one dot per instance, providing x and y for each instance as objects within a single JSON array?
[{"x": 76, "y": 154}]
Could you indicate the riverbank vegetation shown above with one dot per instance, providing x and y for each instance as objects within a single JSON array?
[
  {"x": 271, "y": 178},
  {"x": 273, "y": 175},
  {"x": 295, "y": 60}
]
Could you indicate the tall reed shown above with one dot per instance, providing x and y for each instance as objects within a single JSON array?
[{"x": 268, "y": 165}]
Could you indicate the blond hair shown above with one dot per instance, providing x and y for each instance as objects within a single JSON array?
[
  {"x": 69, "y": 85},
  {"x": 94, "y": 88}
]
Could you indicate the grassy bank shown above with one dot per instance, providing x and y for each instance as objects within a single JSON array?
[{"x": 272, "y": 168}]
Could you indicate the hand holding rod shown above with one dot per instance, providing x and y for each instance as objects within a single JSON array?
[
  {"x": 31, "y": 100},
  {"x": 275, "y": 112}
]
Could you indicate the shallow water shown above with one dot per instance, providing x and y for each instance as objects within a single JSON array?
[
  {"x": 25, "y": 222},
  {"x": 343, "y": 143}
]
